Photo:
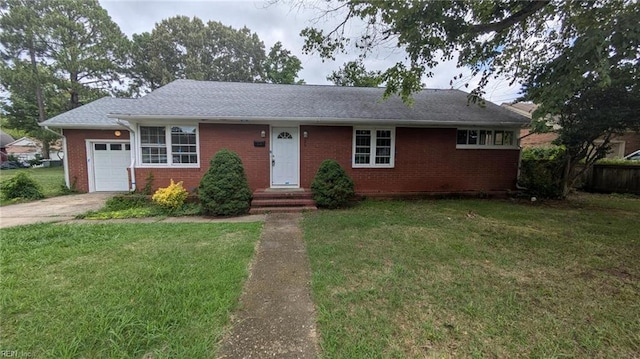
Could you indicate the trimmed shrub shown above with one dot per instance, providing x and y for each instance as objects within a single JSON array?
[
  {"x": 171, "y": 197},
  {"x": 21, "y": 186},
  {"x": 224, "y": 190},
  {"x": 332, "y": 187},
  {"x": 542, "y": 178},
  {"x": 543, "y": 153}
]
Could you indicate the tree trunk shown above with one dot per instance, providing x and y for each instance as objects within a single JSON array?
[
  {"x": 39, "y": 97},
  {"x": 75, "y": 97},
  {"x": 566, "y": 177}
]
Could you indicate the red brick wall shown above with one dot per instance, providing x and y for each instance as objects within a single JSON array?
[
  {"x": 632, "y": 142},
  {"x": 214, "y": 137},
  {"x": 426, "y": 160},
  {"x": 77, "y": 152}
]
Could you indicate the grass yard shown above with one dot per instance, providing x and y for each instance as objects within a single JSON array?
[
  {"x": 51, "y": 179},
  {"x": 478, "y": 278},
  {"x": 121, "y": 291}
]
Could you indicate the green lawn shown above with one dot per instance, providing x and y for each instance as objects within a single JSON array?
[
  {"x": 121, "y": 291},
  {"x": 51, "y": 179},
  {"x": 478, "y": 278}
]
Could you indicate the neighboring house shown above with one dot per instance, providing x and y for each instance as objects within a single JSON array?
[
  {"x": 26, "y": 149},
  {"x": 283, "y": 132},
  {"x": 620, "y": 145}
]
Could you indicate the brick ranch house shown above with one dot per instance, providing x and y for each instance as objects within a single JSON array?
[{"x": 283, "y": 132}]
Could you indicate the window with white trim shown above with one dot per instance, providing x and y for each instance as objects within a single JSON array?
[
  {"x": 373, "y": 147},
  {"x": 479, "y": 138},
  {"x": 169, "y": 145}
]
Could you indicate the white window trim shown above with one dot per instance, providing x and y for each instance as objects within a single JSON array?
[
  {"x": 515, "y": 145},
  {"x": 372, "y": 153},
  {"x": 168, "y": 144}
]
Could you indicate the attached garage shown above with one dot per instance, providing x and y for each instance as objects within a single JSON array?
[{"x": 108, "y": 164}]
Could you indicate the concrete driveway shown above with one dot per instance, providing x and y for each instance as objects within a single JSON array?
[{"x": 55, "y": 209}]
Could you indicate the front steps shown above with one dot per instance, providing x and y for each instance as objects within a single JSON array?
[{"x": 275, "y": 200}]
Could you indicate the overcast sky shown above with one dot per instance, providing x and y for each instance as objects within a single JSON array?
[{"x": 282, "y": 22}]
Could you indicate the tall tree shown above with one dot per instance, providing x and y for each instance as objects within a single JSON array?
[
  {"x": 184, "y": 48},
  {"x": 354, "y": 74},
  {"x": 493, "y": 38},
  {"x": 281, "y": 67},
  {"x": 22, "y": 35},
  {"x": 87, "y": 48}
]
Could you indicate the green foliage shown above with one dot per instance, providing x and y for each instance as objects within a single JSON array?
[
  {"x": 486, "y": 37},
  {"x": 281, "y": 67},
  {"x": 542, "y": 177},
  {"x": 354, "y": 74},
  {"x": 171, "y": 197},
  {"x": 64, "y": 190},
  {"x": 148, "y": 184},
  {"x": 57, "y": 55},
  {"x": 618, "y": 161},
  {"x": 184, "y": 48},
  {"x": 542, "y": 153},
  {"x": 21, "y": 186},
  {"x": 332, "y": 187},
  {"x": 588, "y": 120},
  {"x": 126, "y": 201},
  {"x": 224, "y": 190}
]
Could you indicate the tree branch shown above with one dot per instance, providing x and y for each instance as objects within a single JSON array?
[{"x": 531, "y": 8}]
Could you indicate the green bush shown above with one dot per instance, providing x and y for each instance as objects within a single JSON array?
[
  {"x": 543, "y": 153},
  {"x": 332, "y": 187},
  {"x": 21, "y": 186},
  {"x": 617, "y": 161},
  {"x": 541, "y": 177},
  {"x": 224, "y": 190}
]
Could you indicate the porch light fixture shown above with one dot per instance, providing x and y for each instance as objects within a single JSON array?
[
  {"x": 305, "y": 134},
  {"x": 117, "y": 133},
  {"x": 263, "y": 134}
]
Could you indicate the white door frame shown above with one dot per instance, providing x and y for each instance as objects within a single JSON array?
[
  {"x": 271, "y": 134},
  {"x": 89, "y": 150}
]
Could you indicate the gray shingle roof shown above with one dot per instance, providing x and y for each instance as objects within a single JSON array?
[
  {"x": 92, "y": 115},
  {"x": 5, "y": 139},
  {"x": 192, "y": 99}
]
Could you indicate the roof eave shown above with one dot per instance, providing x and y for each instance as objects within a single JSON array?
[
  {"x": 84, "y": 126},
  {"x": 317, "y": 121}
]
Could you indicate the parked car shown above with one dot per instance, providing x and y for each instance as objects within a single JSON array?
[
  {"x": 12, "y": 165},
  {"x": 633, "y": 156}
]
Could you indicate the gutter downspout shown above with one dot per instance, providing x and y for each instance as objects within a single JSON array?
[
  {"x": 518, "y": 186},
  {"x": 132, "y": 141},
  {"x": 65, "y": 161}
]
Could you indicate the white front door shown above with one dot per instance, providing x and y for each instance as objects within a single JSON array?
[
  {"x": 285, "y": 161},
  {"x": 110, "y": 162}
]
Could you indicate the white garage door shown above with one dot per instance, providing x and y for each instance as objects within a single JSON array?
[{"x": 110, "y": 162}]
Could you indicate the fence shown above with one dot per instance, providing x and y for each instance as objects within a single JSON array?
[{"x": 612, "y": 178}]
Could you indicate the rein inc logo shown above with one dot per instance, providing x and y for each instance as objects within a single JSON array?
[{"x": 14, "y": 354}]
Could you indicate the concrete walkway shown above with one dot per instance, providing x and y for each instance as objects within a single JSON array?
[
  {"x": 54, "y": 209},
  {"x": 64, "y": 209},
  {"x": 276, "y": 317}
]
